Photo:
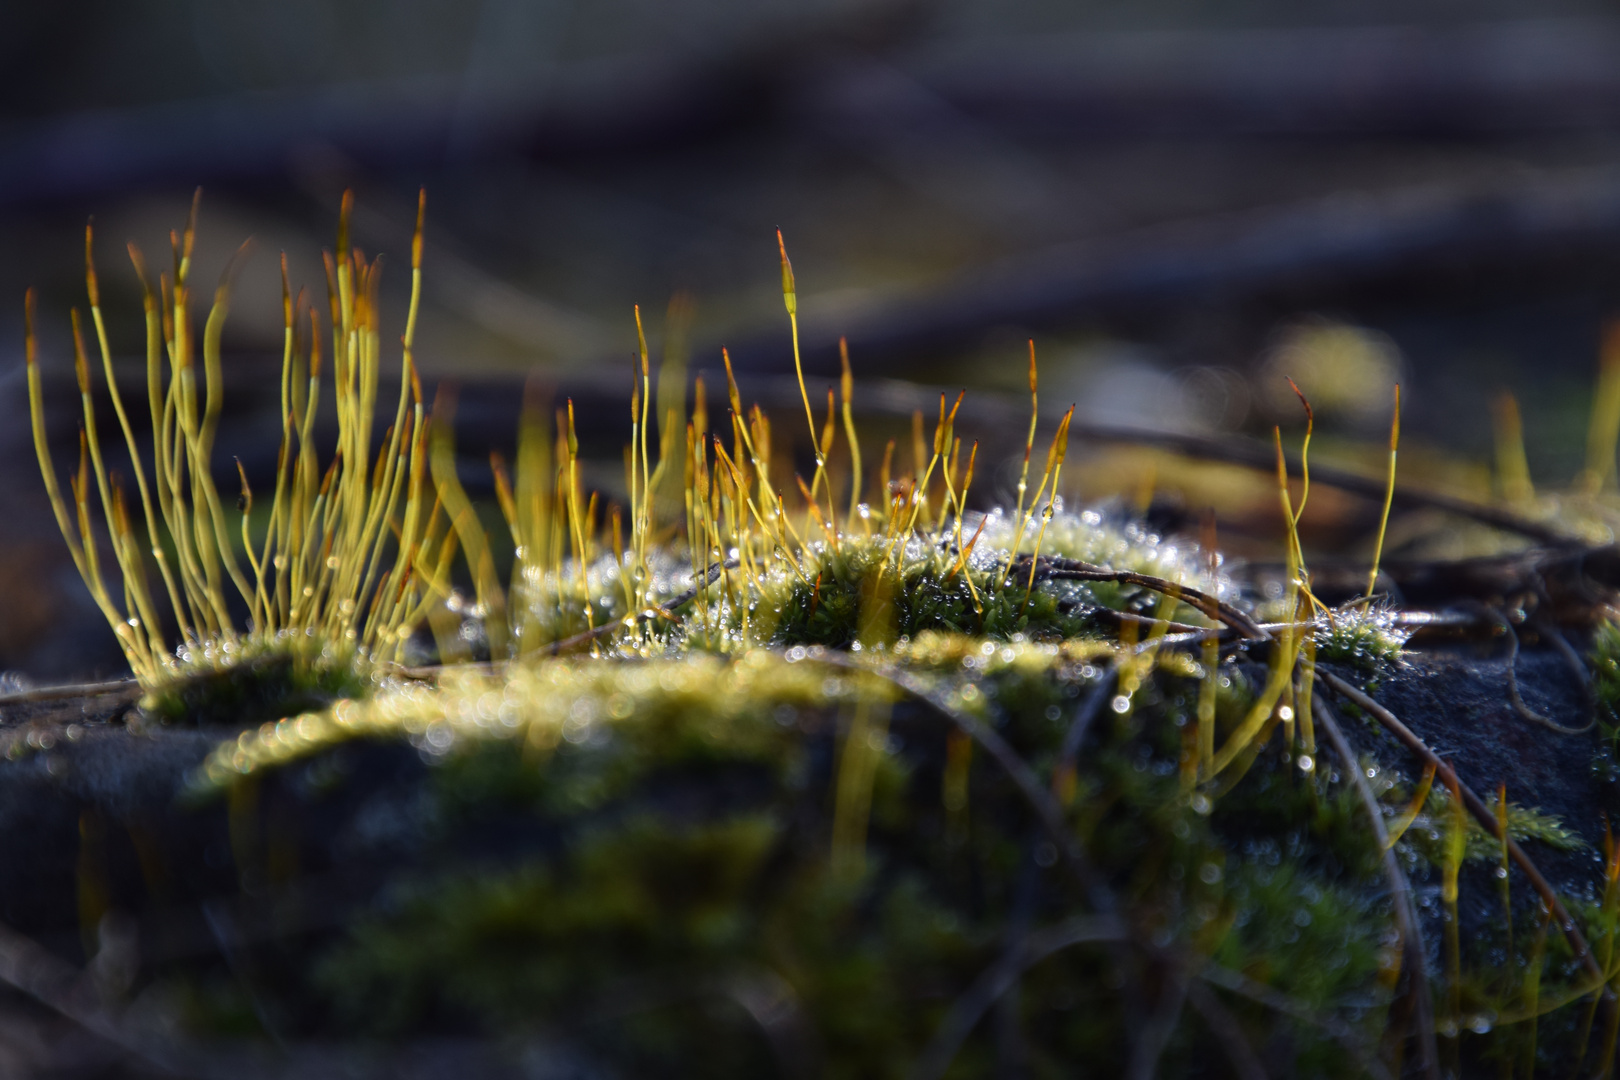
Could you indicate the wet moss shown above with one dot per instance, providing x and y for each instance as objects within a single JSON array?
[
  {"x": 683, "y": 816},
  {"x": 252, "y": 680},
  {"x": 767, "y": 848},
  {"x": 1604, "y": 657},
  {"x": 1364, "y": 638}
]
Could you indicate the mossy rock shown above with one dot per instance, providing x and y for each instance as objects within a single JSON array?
[{"x": 640, "y": 866}]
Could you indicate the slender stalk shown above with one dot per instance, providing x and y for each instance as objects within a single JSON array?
[{"x": 1389, "y": 497}]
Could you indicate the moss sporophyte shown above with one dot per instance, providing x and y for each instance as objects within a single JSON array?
[{"x": 843, "y": 751}]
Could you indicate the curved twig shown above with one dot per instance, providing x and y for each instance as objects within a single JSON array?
[
  {"x": 1120, "y": 619},
  {"x": 968, "y": 1009},
  {"x": 1259, "y": 456},
  {"x": 1243, "y": 986},
  {"x": 1399, "y": 888},
  {"x": 1055, "y": 569},
  {"x": 1577, "y": 666},
  {"x": 1075, "y": 737},
  {"x": 1482, "y": 814},
  {"x": 1023, "y": 777},
  {"x": 28, "y": 967},
  {"x": 1519, "y": 706},
  {"x": 120, "y": 687},
  {"x": 1224, "y": 1026}
]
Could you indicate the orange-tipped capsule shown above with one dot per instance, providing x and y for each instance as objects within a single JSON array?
[
  {"x": 244, "y": 501},
  {"x": 314, "y": 343},
  {"x": 345, "y": 208},
  {"x": 641, "y": 341},
  {"x": 1062, "y": 440},
  {"x": 81, "y": 366},
  {"x": 828, "y": 428},
  {"x": 790, "y": 293},
  {"x": 286, "y": 295},
  {"x": 191, "y": 226},
  {"x": 139, "y": 262},
  {"x": 731, "y": 384},
  {"x": 573, "y": 438},
  {"x": 30, "y": 348},
  {"x": 81, "y": 481},
  {"x": 416, "y": 237},
  {"x": 90, "y": 267},
  {"x": 1395, "y": 423},
  {"x": 120, "y": 510}
]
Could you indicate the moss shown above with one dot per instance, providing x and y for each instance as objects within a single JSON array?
[
  {"x": 1426, "y": 835},
  {"x": 1604, "y": 656},
  {"x": 1361, "y": 637},
  {"x": 794, "y": 824},
  {"x": 252, "y": 680},
  {"x": 682, "y": 813}
]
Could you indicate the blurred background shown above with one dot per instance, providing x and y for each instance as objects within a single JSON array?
[{"x": 1179, "y": 202}]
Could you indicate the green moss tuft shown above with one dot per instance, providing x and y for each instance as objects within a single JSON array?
[
  {"x": 1361, "y": 637},
  {"x": 251, "y": 680}
]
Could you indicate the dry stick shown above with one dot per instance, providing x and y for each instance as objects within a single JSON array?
[
  {"x": 968, "y": 1009},
  {"x": 1224, "y": 1026},
  {"x": 1243, "y": 986},
  {"x": 1482, "y": 814},
  {"x": 1073, "y": 570},
  {"x": 1248, "y": 453},
  {"x": 122, "y": 687},
  {"x": 1023, "y": 777},
  {"x": 1041, "y": 801},
  {"x": 1161, "y": 1024},
  {"x": 34, "y": 971},
  {"x": 1400, "y": 889},
  {"x": 1519, "y": 706},
  {"x": 1257, "y": 457},
  {"x": 1030, "y": 948}
]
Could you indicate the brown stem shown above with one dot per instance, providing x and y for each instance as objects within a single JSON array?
[
  {"x": 1482, "y": 814},
  {"x": 1054, "y": 569},
  {"x": 121, "y": 687},
  {"x": 1399, "y": 888}
]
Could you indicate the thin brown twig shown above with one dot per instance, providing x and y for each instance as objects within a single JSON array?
[
  {"x": 1224, "y": 1026},
  {"x": 1482, "y": 814},
  {"x": 1154, "y": 1036},
  {"x": 1056, "y": 569},
  {"x": 121, "y": 687},
  {"x": 1501, "y": 622},
  {"x": 968, "y": 1009},
  {"x": 1256, "y": 457},
  {"x": 31, "y": 969},
  {"x": 1023, "y": 777},
  {"x": 1240, "y": 984},
  {"x": 1399, "y": 888}
]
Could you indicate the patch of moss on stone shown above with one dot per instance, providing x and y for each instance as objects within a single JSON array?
[
  {"x": 1360, "y": 637},
  {"x": 250, "y": 680}
]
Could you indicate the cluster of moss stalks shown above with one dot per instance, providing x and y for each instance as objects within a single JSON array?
[{"x": 897, "y": 789}]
